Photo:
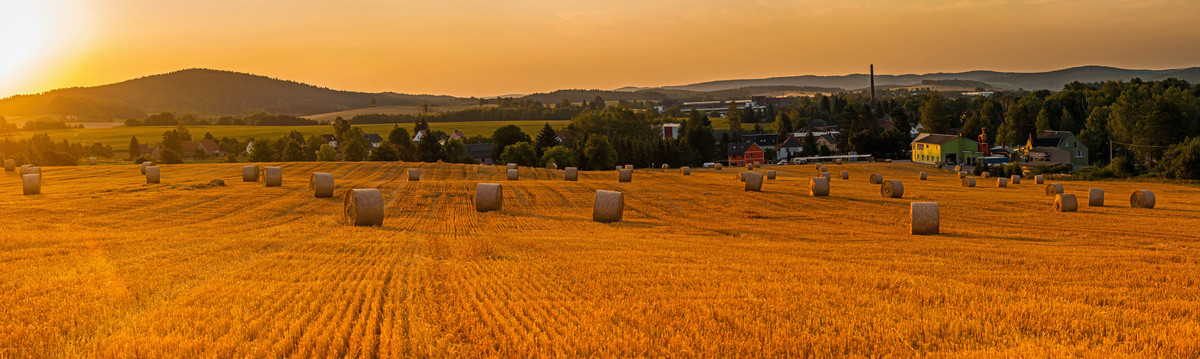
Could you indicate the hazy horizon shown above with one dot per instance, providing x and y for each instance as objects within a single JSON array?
[{"x": 463, "y": 48}]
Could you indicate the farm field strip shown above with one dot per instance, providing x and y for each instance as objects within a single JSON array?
[{"x": 102, "y": 264}]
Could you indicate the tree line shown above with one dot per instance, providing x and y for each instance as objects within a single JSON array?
[
  {"x": 257, "y": 119},
  {"x": 40, "y": 150}
]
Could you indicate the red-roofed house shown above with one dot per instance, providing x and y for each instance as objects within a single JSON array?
[{"x": 748, "y": 152}]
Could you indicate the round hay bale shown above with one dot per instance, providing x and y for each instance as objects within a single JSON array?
[
  {"x": 1001, "y": 182},
  {"x": 987, "y": 175},
  {"x": 1040, "y": 179},
  {"x": 1095, "y": 197},
  {"x": 625, "y": 175},
  {"x": 216, "y": 183},
  {"x": 608, "y": 206},
  {"x": 925, "y": 218},
  {"x": 665, "y": 167},
  {"x": 741, "y": 176},
  {"x": 845, "y": 175},
  {"x": 510, "y": 166},
  {"x": 876, "y": 178},
  {"x": 618, "y": 168},
  {"x": 1065, "y": 202},
  {"x": 10, "y": 164},
  {"x": 754, "y": 181},
  {"x": 958, "y": 168},
  {"x": 771, "y": 174},
  {"x": 513, "y": 174},
  {"x": 837, "y": 161},
  {"x": 1142, "y": 199},
  {"x": 968, "y": 182},
  {"x": 414, "y": 174},
  {"x": 551, "y": 166},
  {"x": 749, "y": 166},
  {"x": 152, "y": 174},
  {"x": 1015, "y": 179},
  {"x": 685, "y": 170},
  {"x": 1054, "y": 189},
  {"x": 924, "y": 175},
  {"x": 92, "y": 161},
  {"x": 629, "y": 167},
  {"x": 891, "y": 189},
  {"x": 818, "y": 167},
  {"x": 962, "y": 175},
  {"x": 824, "y": 169},
  {"x": 363, "y": 207},
  {"x": 489, "y": 197},
  {"x": 818, "y": 186},
  {"x": 321, "y": 184},
  {"x": 571, "y": 174},
  {"x": 717, "y": 166},
  {"x": 31, "y": 183},
  {"x": 27, "y": 169},
  {"x": 826, "y": 176},
  {"x": 144, "y": 165},
  {"x": 272, "y": 176},
  {"x": 250, "y": 173}
]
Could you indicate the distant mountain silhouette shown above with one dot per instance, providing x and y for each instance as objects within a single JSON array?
[
  {"x": 1052, "y": 80},
  {"x": 659, "y": 94},
  {"x": 204, "y": 92}
]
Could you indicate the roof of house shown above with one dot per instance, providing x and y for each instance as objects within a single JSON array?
[
  {"x": 739, "y": 149},
  {"x": 828, "y": 138},
  {"x": 934, "y": 139},
  {"x": 457, "y": 135},
  {"x": 1050, "y": 138},
  {"x": 329, "y": 137},
  {"x": 478, "y": 151},
  {"x": 791, "y": 142},
  {"x": 762, "y": 139},
  {"x": 373, "y": 137},
  {"x": 210, "y": 145}
]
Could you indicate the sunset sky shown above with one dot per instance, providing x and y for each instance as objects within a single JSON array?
[{"x": 485, "y": 48}]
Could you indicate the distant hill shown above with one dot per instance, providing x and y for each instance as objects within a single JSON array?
[
  {"x": 387, "y": 110},
  {"x": 205, "y": 92},
  {"x": 1052, "y": 80},
  {"x": 659, "y": 94}
]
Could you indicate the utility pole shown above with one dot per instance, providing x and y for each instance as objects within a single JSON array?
[{"x": 1110, "y": 151}]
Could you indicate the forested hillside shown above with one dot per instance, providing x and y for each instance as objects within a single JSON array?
[{"x": 203, "y": 92}]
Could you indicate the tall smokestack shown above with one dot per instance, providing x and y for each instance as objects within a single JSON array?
[{"x": 872, "y": 87}]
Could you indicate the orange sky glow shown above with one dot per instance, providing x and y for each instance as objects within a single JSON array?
[{"x": 486, "y": 48}]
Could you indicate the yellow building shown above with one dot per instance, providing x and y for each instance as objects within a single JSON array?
[{"x": 944, "y": 149}]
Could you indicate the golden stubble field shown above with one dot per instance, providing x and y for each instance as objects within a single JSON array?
[{"x": 102, "y": 264}]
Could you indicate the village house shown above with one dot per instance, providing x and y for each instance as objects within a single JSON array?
[
  {"x": 789, "y": 148},
  {"x": 1054, "y": 148},
  {"x": 330, "y": 139},
  {"x": 828, "y": 141},
  {"x": 765, "y": 141},
  {"x": 671, "y": 130},
  {"x": 936, "y": 149},
  {"x": 747, "y": 152},
  {"x": 373, "y": 139},
  {"x": 481, "y": 152}
]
